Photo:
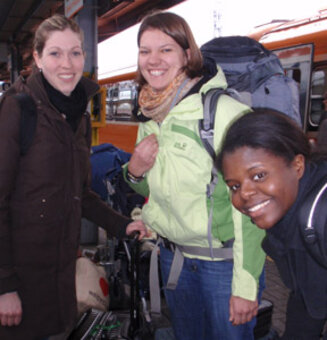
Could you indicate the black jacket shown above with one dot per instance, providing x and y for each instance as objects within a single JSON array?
[{"x": 285, "y": 244}]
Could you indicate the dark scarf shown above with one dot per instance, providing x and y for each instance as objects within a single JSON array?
[{"x": 72, "y": 106}]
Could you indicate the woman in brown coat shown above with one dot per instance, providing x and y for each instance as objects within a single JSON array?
[{"x": 45, "y": 192}]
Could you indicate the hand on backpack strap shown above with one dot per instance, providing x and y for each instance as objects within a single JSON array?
[{"x": 144, "y": 156}]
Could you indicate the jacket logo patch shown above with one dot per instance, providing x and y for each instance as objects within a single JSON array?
[{"x": 181, "y": 146}]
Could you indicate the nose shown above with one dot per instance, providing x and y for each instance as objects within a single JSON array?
[
  {"x": 154, "y": 58},
  {"x": 66, "y": 60},
  {"x": 247, "y": 190}
]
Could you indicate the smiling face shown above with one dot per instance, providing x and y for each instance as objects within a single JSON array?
[
  {"x": 263, "y": 186},
  {"x": 62, "y": 60},
  {"x": 160, "y": 58}
]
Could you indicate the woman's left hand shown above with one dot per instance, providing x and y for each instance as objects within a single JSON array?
[
  {"x": 138, "y": 226},
  {"x": 144, "y": 156},
  {"x": 242, "y": 310}
]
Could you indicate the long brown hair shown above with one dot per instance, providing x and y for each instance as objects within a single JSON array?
[{"x": 179, "y": 30}]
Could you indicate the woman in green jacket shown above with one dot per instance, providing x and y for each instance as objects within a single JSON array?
[{"x": 214, "y": 298}]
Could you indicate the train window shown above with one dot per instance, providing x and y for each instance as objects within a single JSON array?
[
  {"x": 293, "y": 73},
  {"x": 297, "y": 75},
  {"x": 318, "y": 90},
  {"x": 121, "y": 100}
]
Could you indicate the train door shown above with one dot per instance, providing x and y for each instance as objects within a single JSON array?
[{"x": 297, "y": 62}]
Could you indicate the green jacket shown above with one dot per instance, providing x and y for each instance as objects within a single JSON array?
[{"x": 178, "y": 207}]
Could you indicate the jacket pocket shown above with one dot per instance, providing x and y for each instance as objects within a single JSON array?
[{"x": 43, "y": 210}]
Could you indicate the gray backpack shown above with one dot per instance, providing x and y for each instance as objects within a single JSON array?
[
  {"x": 255, "y": 77},
  {"x": 254, "y": 74}
]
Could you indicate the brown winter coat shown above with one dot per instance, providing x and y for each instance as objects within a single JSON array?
[{"x": 43, "y": 196}]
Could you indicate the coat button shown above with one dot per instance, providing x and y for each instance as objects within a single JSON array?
[
  {"x": 43, "y": 200},
  {"x": 41, "y": 216}
]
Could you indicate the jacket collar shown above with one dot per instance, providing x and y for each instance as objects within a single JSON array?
[
  {"x": 287, "y": 230},
  {"x": 208, "y": 81},
  {"x": 34, "y": 84}
]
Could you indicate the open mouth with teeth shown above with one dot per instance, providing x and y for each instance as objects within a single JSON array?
[
  {"x": 258, "y": 206},
  {"x": 66, "y": 76},
  {"x": 156, "y": 73},
  {"x": 256, "y": 210}
]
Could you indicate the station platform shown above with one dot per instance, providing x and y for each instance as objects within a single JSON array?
[{"x": 277, "y": 293}]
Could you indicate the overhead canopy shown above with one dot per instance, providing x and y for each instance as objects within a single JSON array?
[{"x": 20, "y": 18}]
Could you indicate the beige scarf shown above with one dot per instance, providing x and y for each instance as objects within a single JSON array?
[{"x": 156, "y": 105}]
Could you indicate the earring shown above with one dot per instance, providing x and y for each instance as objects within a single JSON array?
[{"x": 40, "y": 70}]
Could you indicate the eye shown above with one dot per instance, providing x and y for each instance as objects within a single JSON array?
[
  {"x": 143, "y": 52},
  {"x": 234, "y": 187},
  {"x": 166, "y": 50},
  {"x": 77, "y": 53},
  {"x": 54, "y": 54},
  {"x": 259, "y": 176}
]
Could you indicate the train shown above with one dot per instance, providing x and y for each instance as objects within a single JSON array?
[{"x": 301, "y": 46}]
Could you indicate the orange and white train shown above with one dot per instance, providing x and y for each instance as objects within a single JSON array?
[{"x": 300, "y": 44}]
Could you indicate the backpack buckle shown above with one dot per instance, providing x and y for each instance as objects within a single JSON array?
[{"x": 207, "y": 134}]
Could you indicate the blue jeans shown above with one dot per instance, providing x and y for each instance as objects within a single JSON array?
[{"x": 199, "y": 306}]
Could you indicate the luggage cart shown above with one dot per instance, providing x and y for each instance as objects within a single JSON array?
[{"x": 132, "y": 324}]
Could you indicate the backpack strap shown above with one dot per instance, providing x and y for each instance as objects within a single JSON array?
[
  {"x": 28, "y": 118},
  {"x": 207, "y": 124},
  {"x": 225, "y": 252},
  {"x": 207, "y": 132},
  {"x": 312, "y": 218},
  {"x": 310, "y": 234}
]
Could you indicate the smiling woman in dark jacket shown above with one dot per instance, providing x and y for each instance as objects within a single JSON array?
[
  {"x": 276, "y": 180},
  {"x": 45, "y": 192}
]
